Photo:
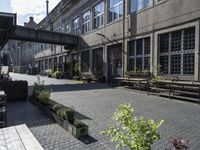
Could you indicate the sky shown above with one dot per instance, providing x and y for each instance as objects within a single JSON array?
[{"x": 27, "y": 8}]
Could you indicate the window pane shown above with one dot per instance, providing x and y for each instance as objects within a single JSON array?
[
  {"x": 147, "y": 45},
  {"x": 138, "y": 64},
  {"x": 139, "y": 47},
  {"x": 86, "y": 22},
  {"x": 136, "y": 5},
  {"x": 164, "y": 64},
  {"x": 147, "y": 63},
  {"x": 115, "y": 9},
  {"x": 176, "y": 41},
  {"x": 131, "y": 48},
  {"x": 175, "y": 64},
  {"x": 131, "y": 64},
  {"x": 188, "y": 63},
  {"x": 189, "y": 39},
  {"x": 164, "y": 43}
]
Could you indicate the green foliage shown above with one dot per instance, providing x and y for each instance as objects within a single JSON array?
[
  {"x": 77, "y": 123},
  {"x": 157, "y": 78},
  {"x": 49, "y": 72},
  {"x": 56, "y": 108},
  {"x": 57, "y": 74},
  {"x": 44, "y": 97},
  {"x": 64, "y": 112},
  {"x": 37, "y": 88},
  {"x": 136, "y": 133}
]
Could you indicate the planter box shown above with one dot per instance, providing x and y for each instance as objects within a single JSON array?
[
  {"x": 79, "y": 132},
  {"x": 76, "y": 132}
]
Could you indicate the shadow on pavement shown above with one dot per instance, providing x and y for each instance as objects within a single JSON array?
[
  {"x": 74, "y": 87},
  {"x": 23, "y": 112}
]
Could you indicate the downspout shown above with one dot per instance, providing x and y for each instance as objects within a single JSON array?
[{"x": 123, "y": 37}]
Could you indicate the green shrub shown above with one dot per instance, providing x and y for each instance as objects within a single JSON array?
[
  {"x": 132, "y": 132},
  {"x": 56, "y": 107},
  {"x": 77, "y": 123},
  {"x": 57, "y": 74},
  {"x": 37, "y": 88},
  {"x": 69, "y": 114},
  {"x": 49, "y": 72},
  {"x": 44, "y": 97}
]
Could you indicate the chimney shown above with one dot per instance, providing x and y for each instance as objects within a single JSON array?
[
  {"x": 25, "y": 23},
  {"x": 31, "y": 18},
  {"x": 47, "y": 7}
]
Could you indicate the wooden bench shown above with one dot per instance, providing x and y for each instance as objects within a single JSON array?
[
  {"x": 18, "y": 138},
  {"x": 139, "y": 80},
  {"x": 88, "y": 76},
  {"x": 178, "y": 89}
]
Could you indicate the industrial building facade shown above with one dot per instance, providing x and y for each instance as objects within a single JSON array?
[{"x": 160, "y": 36}]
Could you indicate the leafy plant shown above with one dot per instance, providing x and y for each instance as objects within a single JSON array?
[
  {"x": 57, "y": 74},
  {"x": 37, "y": 88},
  {"x": 77, "y": 123},
  {"x": 56, "y": 107},
  {"x": 136, "y": 133},
  {"x": 69, "y": 114},
  {"x": 44, "y": 97}
]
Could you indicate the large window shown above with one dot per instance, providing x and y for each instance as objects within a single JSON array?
[
  {"x": 98, "y": 15},
  {"x": 176, "y": 50},
  {"x": 85, "y": 61},
  {"x": 136, "y": 5},
  {"x": 68, "y": 28},
  {"x": 86, "y": 22},
  {"x": 76, "y": 26},
  {"x": 139, "y": 55},
  {"x": 115, "y": 9}
]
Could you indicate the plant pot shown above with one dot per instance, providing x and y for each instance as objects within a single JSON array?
[{"x": 80, "y": 131}]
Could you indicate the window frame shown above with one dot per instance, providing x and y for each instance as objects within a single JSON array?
[
  {"x": 100, "y": 15},
  {"x": 76, "y": 29},
  {"x": 114, "y": 6},
  {"x": 86, "y": 23},
  {"x": 137, "y": 11},
  {"x": 182, "y": 52}
]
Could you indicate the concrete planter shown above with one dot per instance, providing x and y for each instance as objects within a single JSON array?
[{"x": 75, "y": 131}]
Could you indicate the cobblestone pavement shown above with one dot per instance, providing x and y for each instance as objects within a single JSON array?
[{"x": 96, "y": 102}]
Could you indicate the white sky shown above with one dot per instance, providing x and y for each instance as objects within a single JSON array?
[{"x": 27, "y": 8}]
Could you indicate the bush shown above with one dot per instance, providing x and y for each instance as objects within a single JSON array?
[
  {"x": 134, "y": 133},
  {"x": 49, "y": 72},
  {"x": 56, "y": 107},
  {"x": 37, "y": 88},
  {"x": 69, "y": 114},
  {"x": 57, "y": 74},
  {"x": 44, "y": 97},
  {"x": 77, "y": 123}
]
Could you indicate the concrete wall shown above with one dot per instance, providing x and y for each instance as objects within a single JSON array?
[{"x": 166, "y": 14}]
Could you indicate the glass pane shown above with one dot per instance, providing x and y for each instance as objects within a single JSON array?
[
  {"x": 188, "y": 63},
  {"x": 175, "y": 64},
  {"x": 189, "y": 39},
  {"x": 139, "y": 46},
  {"x": 164, "y": 43},
  {"x": 176, "y": 41},
  {"x": 164, "y": 64}
]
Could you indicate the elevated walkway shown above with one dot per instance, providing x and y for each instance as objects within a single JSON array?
[{"x": 9, "y": 30}]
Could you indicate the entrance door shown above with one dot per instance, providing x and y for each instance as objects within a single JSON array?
[{"x": 114, "y": 61}]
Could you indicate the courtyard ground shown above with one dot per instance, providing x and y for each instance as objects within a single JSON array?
[{"x": 96, "y": 102}]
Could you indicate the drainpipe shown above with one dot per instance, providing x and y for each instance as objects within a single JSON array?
[{"x": 123, "y": 45}]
